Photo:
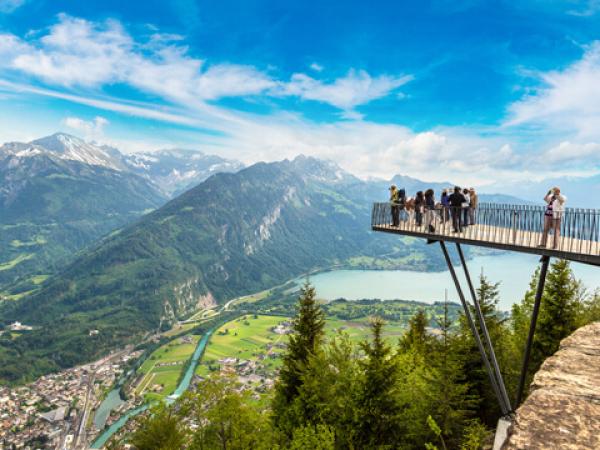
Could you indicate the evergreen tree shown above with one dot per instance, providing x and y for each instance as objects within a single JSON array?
[
  {"x": 313, "y": 438},
  {"x": 378, "y": 408},
  {"x": 480, "y": 389},
  {"x": 450, "y": 400},
  {"x": 520, "y": 321},
  {"x": 305, "y": 340},
  {"x": 416, "y": 335},
  {"x": 329, "y": 390},
  {"x": 558, "y": 312}
]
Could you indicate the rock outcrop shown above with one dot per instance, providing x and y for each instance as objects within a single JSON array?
[{"x": 563, "y": 408}]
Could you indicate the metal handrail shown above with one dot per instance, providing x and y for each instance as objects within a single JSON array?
[{"x": 502, "y": 224}]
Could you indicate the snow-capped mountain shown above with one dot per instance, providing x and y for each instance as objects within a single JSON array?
[
  {"x": 172, "y": 171},
  {"x": 72, "y": 148},
  {"x": 176, "y": 170}
]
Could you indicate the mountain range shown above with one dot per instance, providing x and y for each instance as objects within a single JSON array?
[
  {"x": 60, "y": 193},
  {"x": 233, "y": 234}
]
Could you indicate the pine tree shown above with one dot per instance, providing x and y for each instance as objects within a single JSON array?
[
  {"x": 416, "y": 335},
  {"x": 329, "y": 390},
  {"x": 520, "y": 321},
  {"x": 558, "y": 312},
  {"x": 480, "y": 388},
  {"x": 379, "y": 411},
  {"x": 305, "y": 340},
  {"x": 451, "y": 405}
]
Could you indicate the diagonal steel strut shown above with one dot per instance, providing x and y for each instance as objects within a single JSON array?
[
  {"x": 484, "y": 330},
  {"x": 534, "y": 315},
  {"x": 503, "y": 406}
]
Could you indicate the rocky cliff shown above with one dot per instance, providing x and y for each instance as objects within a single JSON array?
[{"x": 563, "y": 408}]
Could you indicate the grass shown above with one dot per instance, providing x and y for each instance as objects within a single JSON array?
[
  {"x": 358, "y": 330},
  {"x": 247, "y": 338},
  {"x": 39, "y": 240},
  {"x": 175, "y": 353},
  {"x": 38, "y": 279},
  {"x": 19, "y": 259},
  {"x": 13, "y": 297},
  {"x": 179, "y": 329}
]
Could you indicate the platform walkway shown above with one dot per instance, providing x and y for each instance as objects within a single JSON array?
[{"x": 505, "y": 227}]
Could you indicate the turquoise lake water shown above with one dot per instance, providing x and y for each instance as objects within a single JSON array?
[{"x": 513, "y": 270}]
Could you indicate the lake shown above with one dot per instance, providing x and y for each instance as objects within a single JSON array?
[{"x": 513, "y": 270}]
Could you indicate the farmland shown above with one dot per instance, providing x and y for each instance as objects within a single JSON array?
[
  {"x": 251, "y": 346},
  {"x": 158, "y": 375}
]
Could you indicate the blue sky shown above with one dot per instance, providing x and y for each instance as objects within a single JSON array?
[{"x": 485, "y": 90}]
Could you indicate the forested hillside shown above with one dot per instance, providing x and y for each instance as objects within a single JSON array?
[
  {"x": 425, "y": 391},
  {"x": 234, "y": 234},
  {"x": 51, "y": 206}
]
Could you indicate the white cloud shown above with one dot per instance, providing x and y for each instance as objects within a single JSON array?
[
  {"x": 77, "y": 53},
  {"x": 589, "y": 8},
  {"x": 138, "y": 110},
  {"x": 316, "y": 67},
  {"x": 80, "y": 54},
  {"x": 571, "y": 153},
  {"x": 8, "y": 6},
  {"x": 90, "y": 129},
  {"x": 356, "y": 88},
  {"x": 568, "y": 101}
]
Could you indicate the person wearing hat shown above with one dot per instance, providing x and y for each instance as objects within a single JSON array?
[{"x": 395, "y": 202}]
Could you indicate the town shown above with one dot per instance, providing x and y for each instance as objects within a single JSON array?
[{"x": 55, "y": 410}]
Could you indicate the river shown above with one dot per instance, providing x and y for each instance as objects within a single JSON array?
[
  {"x": 111, "y": 402},
  {"x": 513, "y": 270},
  {"x": 184, "y": 384}
]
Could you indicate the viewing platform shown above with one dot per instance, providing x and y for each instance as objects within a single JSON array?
[{"x": 505, "y": 227}]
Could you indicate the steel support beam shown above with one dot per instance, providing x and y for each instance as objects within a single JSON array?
[
  {"x": 534, "y": 315},
  {"x": 484, "y": 330},
  {"x": 503, "y": 406}
]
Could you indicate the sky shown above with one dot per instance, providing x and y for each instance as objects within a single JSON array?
[{"x": 487, "y": 92}]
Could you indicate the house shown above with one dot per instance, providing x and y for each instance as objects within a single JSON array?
[{"x": 18, "y": 326}]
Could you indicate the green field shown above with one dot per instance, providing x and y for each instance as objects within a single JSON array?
[
  {"x": 180, "y": 328},
  {"x": 38, "y": 240},
  {"x": 19, "y": 259},
  {"x": 245, "y": 338},
  {"x": 161, "y": 371},
  {"x": 358, "y": 330},
  {"x": 252, "y": 338}
]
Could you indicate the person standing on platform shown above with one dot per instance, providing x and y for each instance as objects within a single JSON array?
[
  {"x": 419, "y": 207},
  {"x": 402, "y": 196},
  {"x": 456, "y": 201},
  {"x": 474, "y": 203},
  {"x": 395, "y": 202},
  {"x": 430, "y": 210},
  {"x": 466, "y": 206},
  {"x": 555, "y": 207},
  {"x": 445, "y": 205}
]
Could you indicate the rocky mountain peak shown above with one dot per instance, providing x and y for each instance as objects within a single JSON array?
[
  {"x": 322, "y": 170},
  {"x": 66, "y": 146}
]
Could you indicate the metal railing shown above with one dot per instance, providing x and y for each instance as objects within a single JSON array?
[{"x": 500, "y": 224}]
